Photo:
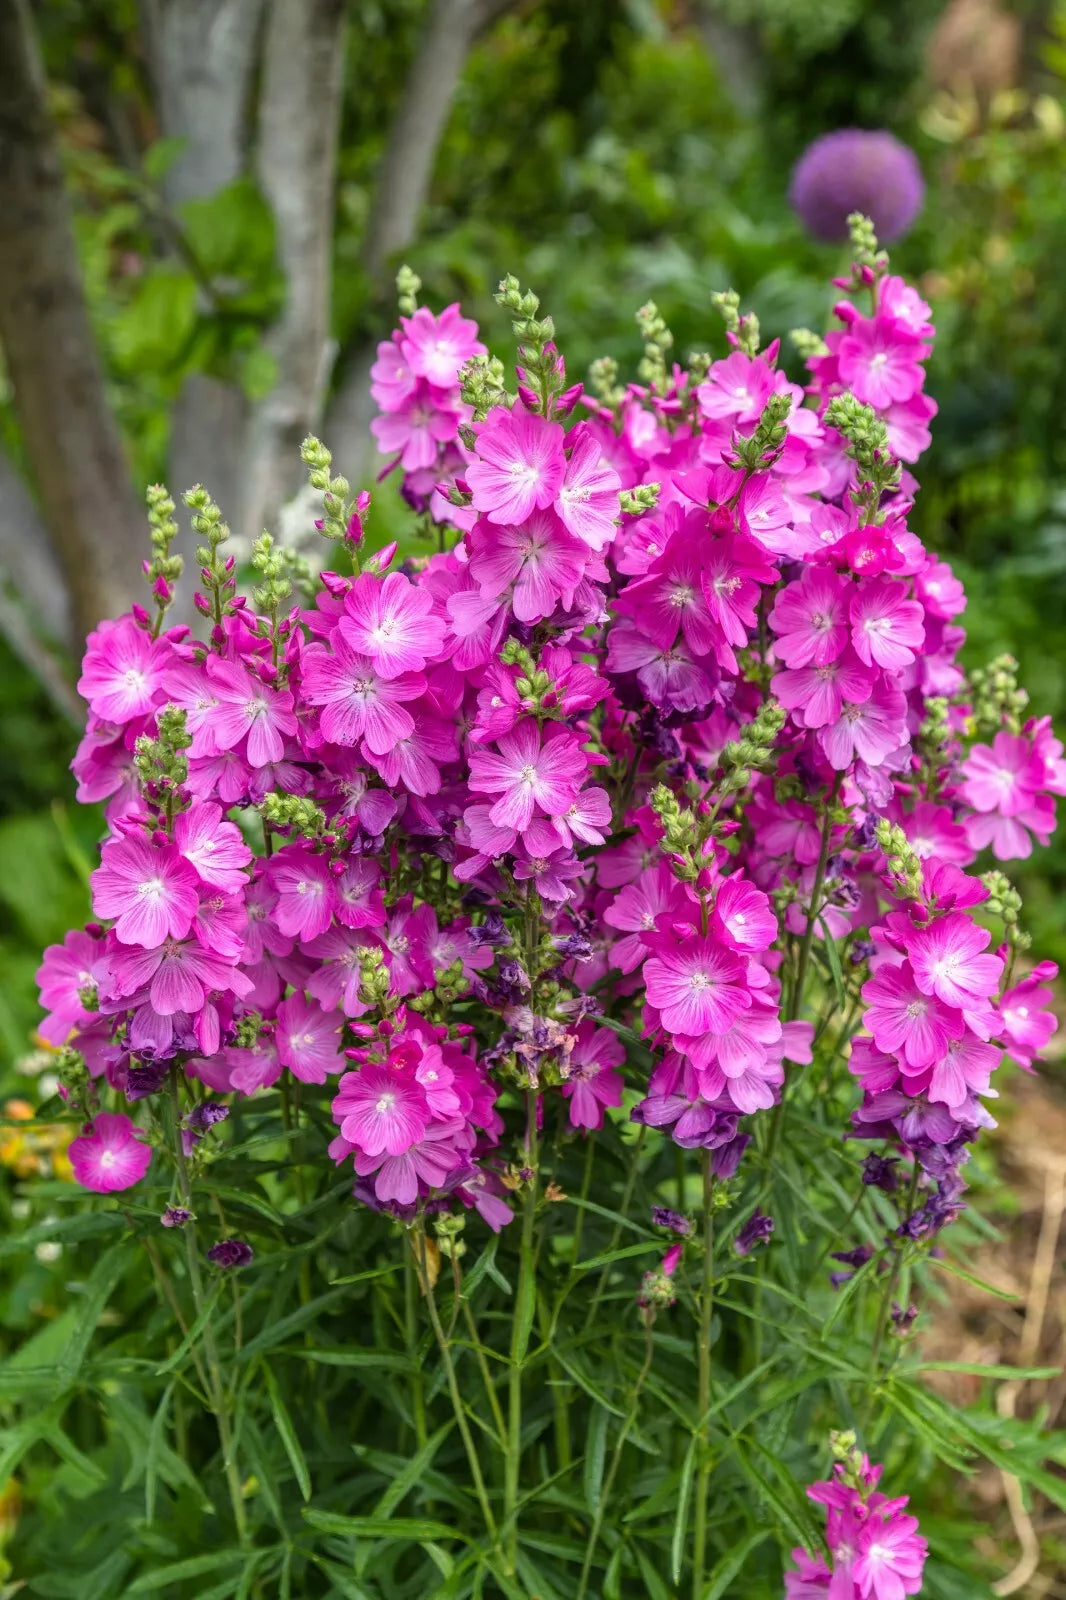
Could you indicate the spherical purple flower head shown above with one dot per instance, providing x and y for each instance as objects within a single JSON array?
[
  {"x": 857, "y": 169},
  {"x": 229, "y": 1253}
]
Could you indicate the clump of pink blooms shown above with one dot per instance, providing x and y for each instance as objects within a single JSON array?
[
  {"x": 875, "y": 1549},
  {"x": 675, "y": 721}
]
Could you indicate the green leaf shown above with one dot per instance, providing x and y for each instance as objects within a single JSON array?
[
  {"x": 173, "y": 1362},
  {"x": 415, "y": 1469},
  {"x": 977, "y": 1369},
  {"x": 412, "y": 1529},
  {"x": 383, "y": 1360},
  {"x": 154, "y": 327},
  {"x": 684, "y": 1496},
  {"x": 101, "y": 1285},
  {"x": 832, "y": 956},
  {"x": 277, "y": 1332},
  {"x": 731, "y": 1563},
  {"x": 968, "y": 1277},
  {"x": 191, "y": 1567},
  {"x": 595, "y": 1453},
  {"x": 286, "y": 1432},
  {"x": 651, "y": 1246}
]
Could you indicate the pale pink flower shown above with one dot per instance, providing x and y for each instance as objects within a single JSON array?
[
  {"x": 869, "y": 731},
  {"x": 391, "y": 378},
  {"x": 519, "y": 466},
  {"x": 435, "y": 348},
  {"x": 964, "y": 1070},
  {"x": 588, "y": 499},
  {"x": 308, "y": 1039},
  {"x": 736, "y": 389},
  {"x": 148, "y": 889},
  {"x": 595, "y": 1080},
  {"x": 305, "y": 890},
  {"x": 946, "y": 960},
  {"x": 1002, "y": 776},
  {"x": 392, "y": 623},
  {"x": 247, "y": 708},
  {"x": 110, "y": 1155},
  {"x": 538, "y": 563},
  {"x": 124, "y": 671},
  {"x": 880, "y": 363},
  {"x": 427, "y": 1163},
  {"x": 416, "y": 429},
  {"x": 528, "y": 775}
]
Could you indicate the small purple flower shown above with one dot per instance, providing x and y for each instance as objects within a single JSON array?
[
  {"x": 902, "y": 1319},
  {"x": 663, "y": 1217},
  {"x": 175, "y": 1217},
  {"x": 229, "y": 1253},
  {"x": 145, "y": 1080},
  {"x": 206, "y": 1114},
  {"x": 857, "y": 169},
  {"x": 851, "y": 1258},
  {"x": 756, "y": 1231},
  {"x": 879, "y": 1172}
]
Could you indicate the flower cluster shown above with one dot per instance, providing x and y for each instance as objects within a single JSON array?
[
  {"x": 875, "y": 1549},
  {"x": 673, "y": 721}
]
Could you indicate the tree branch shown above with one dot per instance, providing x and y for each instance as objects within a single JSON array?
[
  {"x": 71, "y": 437},
  {"x": 299, "y": 122}
]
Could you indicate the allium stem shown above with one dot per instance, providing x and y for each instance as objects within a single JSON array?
[
  {"x": 219, "y": 1404},
  {"x": 520, "y": 1329},
  {"x": 699, "y": 1547}
]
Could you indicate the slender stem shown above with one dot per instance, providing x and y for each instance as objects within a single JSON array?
[
  {"x": 453, "y": 1390},
  {"x": 216, "y": 1388},
  {"x": 623, "y": 1210},
  {"x": 520, "y": 1327},
  {"x": 892, "y": 1284},
  {"x": 418, "y": 1396},
  {"x": 486, "y": 1376},
  {"x": 699, "y": 1549},
  {"x": 612, "y": 1469}
]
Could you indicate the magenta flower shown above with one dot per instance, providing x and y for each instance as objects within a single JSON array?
[
  {"x": 124, "y": 671},
  {"x": 810, "y": 618},
  {"x": 667, "y": 674},
  {"x": 736, "y": 390},
  {"x": 308, "y": 1040},
  {"x": 391, "y": 623},
  {"x": 357, "y": 702},
  {"x": 965, "y": 1070},
  {"x": 248, "y": 710},
  {"x": 305, "y": 890},
  {"x": 148, "y": 889},
  {"x": 1002, "y": 776},
  {"x": 946, "y": 961},
  {"x": 213, "y": 848},
  {"x": 381, "y": 1111},
  {"x": 68, "y": 975},
  {"x": 869, "y": 731},
  {"x": 880, "y": 364},
  {"x": 743, "y": 917},
  {"x": 816, "y": 695},
  {"x": 636, "y": 909},
  {"x": 595, "y": 1080},
  {"x": 178, "y": 974},
  {"x": 886, "y": 627},
  {"x": 424, "y": 1165},
  {"x": 528, "y": 775},
  {"x": 538, "y": 564},
  {"x": 906, "y": 1022},
  {"x": 1028, "y": 1021},
  {"x": 697, "y": 986},
  {"x": 519, "y": 466},
  {"x": 419, "y": 425},
  {"x": 110, "y": 1155}
]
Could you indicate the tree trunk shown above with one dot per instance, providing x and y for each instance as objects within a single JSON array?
[
  {"x": 71, "y": 437},
  {"x": 299, "y": 123},
  {"x": 400, "y": 193},
  {"x": 204, "y": 55}
]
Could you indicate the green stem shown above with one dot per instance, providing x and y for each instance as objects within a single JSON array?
[
  {"x": 216, "y": 1388},
  {"x": 627, "y": 1195},
  {"x": 891, "y": 1285},
  {"x": 453, "y": 1390},
  {"x": 418, "y": 1397},
  {"x": 699, "y": 1549},
  {"x": 520, "y": 1329},
  {"x": 486, "y": 1376},
  {"x": 612, "y": 1470}
]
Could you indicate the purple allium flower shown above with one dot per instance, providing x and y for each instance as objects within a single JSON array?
[
  {"x": 857, "y": 169},
  {"x": 663, "y": 1217},
  {"x": 229, "y": 1253},
  {"x": 756, "y": 1230},
  {"x": 175, "y": 1217}
]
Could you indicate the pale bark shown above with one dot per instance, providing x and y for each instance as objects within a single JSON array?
[
  {"x": 298, "y": 127},
  {"x": 27, "y": 559},
  {"x": 734, "y": 50},
  {"x": 204, "y": 55},
  {"x": 400, "y": 192},
  {"x": 72, "y": 441}
]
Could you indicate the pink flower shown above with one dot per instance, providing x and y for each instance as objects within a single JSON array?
[
  {"x": 743, "y": 917},
  {"x": 666, "y": 673},
  {"x": 422, "y": 1166},
  {"x": 519, "y": 466},
  {"x": 213, "y": 848},
  {"x": 308, "y": 1040},
  {"x": 905, "y": 1021},
  {"x": 588, "y": 499},
  {"x": 305, "y": 890},
  {"x": 110, "y": 1155},
  {"x": 68, "y": 974},
  {"x": 435, "y": 348},
  {"x": 391, "y": 378},
  {"x": 891, "y": 1556},
  {"x": 123, "y": 673},
  {"x": 946, "y": 961},
  {"x": 595, "y": 1080},
  {"x": 886, "y": 627},
  {"x": 381, "y": 1111},
  {"x": 810, "y": 619},
  {"x": 391, "y": 623},
  {"x": 736, "y": 389},
  {"x": 149, "y": 890},
  {"x": 247, "y": 708},
  {"x": 880, "y": 363},
  {"x": 527, "y": 775},
  {"x": 635, "y": 910},
  {"x": 357, "y": 702},
  {"x": 965, "y": 1070},
  {"x": 537, "y": 563},
  {"x": 697, "y": 986},
  {"x": 178, "y": 975},
  {"x": 816, "y": 695},
  {"x": 1002, "y": 776},
  {"x": 1028, "y": 1023},
  {"x": 418, "y": 426}
]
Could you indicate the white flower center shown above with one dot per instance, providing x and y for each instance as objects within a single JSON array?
[{"x": 151, "y": 888}]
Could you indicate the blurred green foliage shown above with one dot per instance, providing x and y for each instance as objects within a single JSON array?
[{"x": 601, "y": 153}]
